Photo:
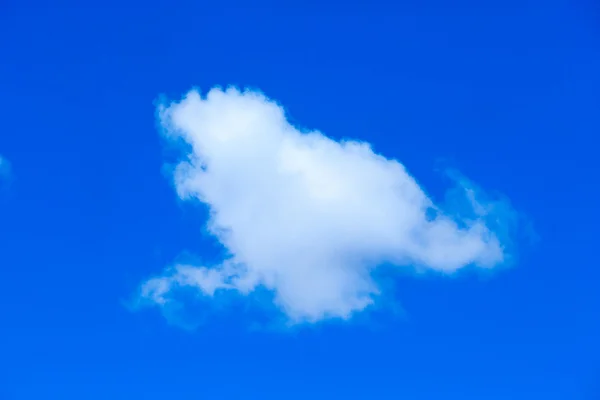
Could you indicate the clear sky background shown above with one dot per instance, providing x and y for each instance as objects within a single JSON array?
[{"x": 506, "y": 92}]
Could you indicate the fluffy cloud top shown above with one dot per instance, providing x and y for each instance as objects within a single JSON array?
[{"x": 303, "y": 215}]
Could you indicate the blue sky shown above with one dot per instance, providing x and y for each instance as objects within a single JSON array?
[{"x": 506, "y": 92}]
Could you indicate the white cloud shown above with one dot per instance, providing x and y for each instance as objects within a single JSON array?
[{"x": 302, "y": 215}]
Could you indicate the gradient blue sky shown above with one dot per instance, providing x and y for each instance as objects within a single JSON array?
[{"x": 508, "y": 92}]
